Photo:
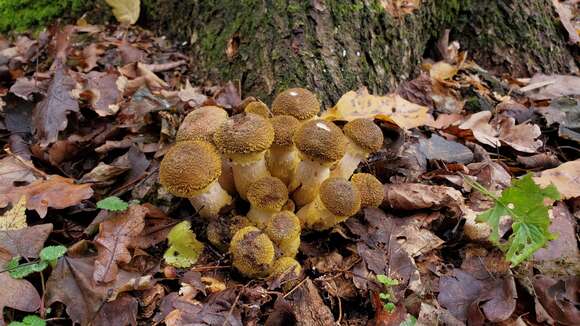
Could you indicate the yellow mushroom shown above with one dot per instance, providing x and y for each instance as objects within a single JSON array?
[
  {"x": 320, "y": 144},
  {"x": 259, "y": 108},
  {"x": 282, "y": 158},
  {"x": 266, "y": 196},
  {"x": 252, "y": 252},
  {"x": 338, "y": 200},
  {"x": 288, "y": 270},
  {"x": 297, "y": 102},
  {"x": 370, "y": 188},
  {"x": 190, "y": 169},
  {"x": 244, "y": 138},
  {"x": 364, "y": 137},
  {"x": 284, "y": 230},
  {"x": 221, "y": 230}
]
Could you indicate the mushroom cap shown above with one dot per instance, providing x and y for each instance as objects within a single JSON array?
[
  {"x": 201, "y": 124},
  {"x": 283, "y": 226},
  {"x": 364, "y": 133},
  {"x": 284, "y": 128},
  {"x": 321, "y": 141},
  {"x": 244, "y": 133},
  {"x": 258, "y": 107},
  {"x": 340, "y": 197},
  {"x": 370, "y": 189},
  {"x": 252, "y": 251},
  {"x": 267, "y": 193},
  {"x": 297, "y": 102},
  {"x": 285, "y": 265},
  {"x": 189, "y": 166},
  {"x": 221, "y": 230}
]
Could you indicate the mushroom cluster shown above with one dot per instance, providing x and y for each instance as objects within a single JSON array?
[{"x": 294, "y": 169}]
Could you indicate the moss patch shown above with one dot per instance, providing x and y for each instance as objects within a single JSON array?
[{"x": 18, "y": 15}]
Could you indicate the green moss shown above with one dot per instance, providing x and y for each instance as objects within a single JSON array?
[{"x": 18, "y": 15}]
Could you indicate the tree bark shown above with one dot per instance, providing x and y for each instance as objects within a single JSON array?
[{"x": 332, "y": 46}]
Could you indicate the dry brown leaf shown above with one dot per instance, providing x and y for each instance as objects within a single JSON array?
[
  {"x": 56, "y": 192},
  {"x": 570, "y": 23},
  {"x": 553, "y": 86},
  {"x": 104, "y": 91},
  {"x": 114, "y": 237},
  {"x": 392, "y": 108},
  {"x": 13, "y": 171},
  {"x": 17, "y": 294},
  {"x": 479, "y": 125},
  {"x": 565, "y": 177},
  {"x": 14, "y": 218},
  {"x": 126, "y": 11},
  {"x": 192, "y": 95},
  {"x": 25, "y": 242},
  {"x": 520, "y": 137}
]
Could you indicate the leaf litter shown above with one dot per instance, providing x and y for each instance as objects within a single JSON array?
[{"x": 84, "y": 139}]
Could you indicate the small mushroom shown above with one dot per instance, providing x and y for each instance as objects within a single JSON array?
[
  {"x": 259, "y": 108},
  {"x": 244, "y": 138},
  {"x": 221, "y": 230},
  {"x": 297, "y": 102},
  {"x": 320, "y": 144},
  {"x": 364, "y": 137},
  {"x": 284, "y": 230},
  {"x": 282, "y": 158},
  {"x": 266, "y": 196},
  {"x": 338, "y": 200},
  {"x": 252, "y": 252},
  {"x": 370, "y": 188},
  {"x": 191, "y": 169},
  {"x": 288, "y": 270}
]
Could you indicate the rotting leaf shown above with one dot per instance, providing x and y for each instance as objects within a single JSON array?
[
  {"x": 115, "y": 235},
  {"x": 50, "y": 114},
  {"x": 391, "y": 108},
  {"x": 56, "y": 192}
]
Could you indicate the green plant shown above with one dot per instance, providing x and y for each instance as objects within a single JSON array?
[
  {"x": 30, "y": 320},
  {"x": 48, "y": 256},
  {"x": 113, "y": 203},
  {"x": 523, "y": 201},
  {"x": 184, "y": 249},
  {"x": 387, "y": 297}
]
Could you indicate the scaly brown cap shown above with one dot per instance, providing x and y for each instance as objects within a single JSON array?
[
  {"x": 201, "y": 124},
  {"x": 244, "y": 133},
  {"x": 253, "y": 252},
  {"x": 364, "y": 133},
  {"x": 258, "y": 107},
  {"x": 189, "y": 167},
  {"x": 268, "y": 193},
  {"x": 340, "y": 196},
  {"x": 284, "y": 128},
  {"x": 370, "y": 189},
  {"x": 321, "y": 141},
  {"x": 297, "y": 102},
  {"x": 282, "y": 226}
]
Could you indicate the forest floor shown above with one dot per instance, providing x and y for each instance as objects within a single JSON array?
[{"x": 88, "y": 112}]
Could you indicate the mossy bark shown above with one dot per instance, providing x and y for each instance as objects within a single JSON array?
[{"x": 333, "y": 46}]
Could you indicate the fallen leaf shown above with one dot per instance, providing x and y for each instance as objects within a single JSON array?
[
  {"x": 565, "y": 177},
  {"x": 115, "y": 235},
  {"x": 184, "y": 249},
  {"x": 122, "y": 311},
  {"x": 564, "y": 247},
  {"x": 479, "y": 125},
  {"x": 25, "y": 87},
  {"x": 568, "y": 19},
  {"x": 391, "y": 108},
  {"x": 308, "y": 306},
  {"x": 71, "y": 283},
  {"x": 438, "y": 148},
  {"x": 14, "y": 218},
  {"x": 442, "y": 70},
  {"x": 104, "y": 91},
  {"x": 417, "y": 90},
  {"x": 192, "y": 95},
  {"x": 91, "y": 55},
  {"x": 415, "y": 196},
  {"x": 559, "y": 297},
  {"x": 13, "y": 172},
  {"x": 126, "y": 11},
  {"x": 50, "y": 114},
  {"x": 17, "y": 294},
  {"x": 520, "y": 137},
  {"x": 157, "y": 226},
  {"x": 56, "y": 192},
  {"x": 553, "y": 86}
]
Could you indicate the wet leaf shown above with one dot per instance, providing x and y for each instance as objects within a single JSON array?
[{"x": 391, "y": 108}]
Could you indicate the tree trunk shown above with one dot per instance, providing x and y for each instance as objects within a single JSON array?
[{"x": 332, "y": 46}]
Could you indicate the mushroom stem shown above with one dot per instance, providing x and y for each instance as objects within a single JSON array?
[
  {"x": 315, "y": 216},
  {"x": 211, "y": 200},
  {"x": 306, "y": 182},
  {"x": 349, "y": 162},
  {"x": 260, "y": 216},
  {"x": 246, "y": 173},
  {"x": 282, "y": 162}
]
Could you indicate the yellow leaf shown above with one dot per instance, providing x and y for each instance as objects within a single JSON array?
[
  {"x": 126, "y": 11},
  {"x": 15, "y": 218},
  {"x": 391, "y": 108},
  {"x": 442, "y": 71},
  {"x": 184, "y": 249}
]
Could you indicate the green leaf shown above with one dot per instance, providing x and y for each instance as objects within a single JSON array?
[
  {"x": 52, "y": 253},
  {"x": 410, "y": 321},
  {"x": 389, "y": 307},
  {"x": 113, "y": 203},
  {"x": 184, "y": 249},
  {"x": 30, "y": 320},
  {"x": 18, "y": 271},
  {"x": 524, "y": 202},
  {"x": 385, "y": 296},
  {"x": 387, "y": 281}
]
